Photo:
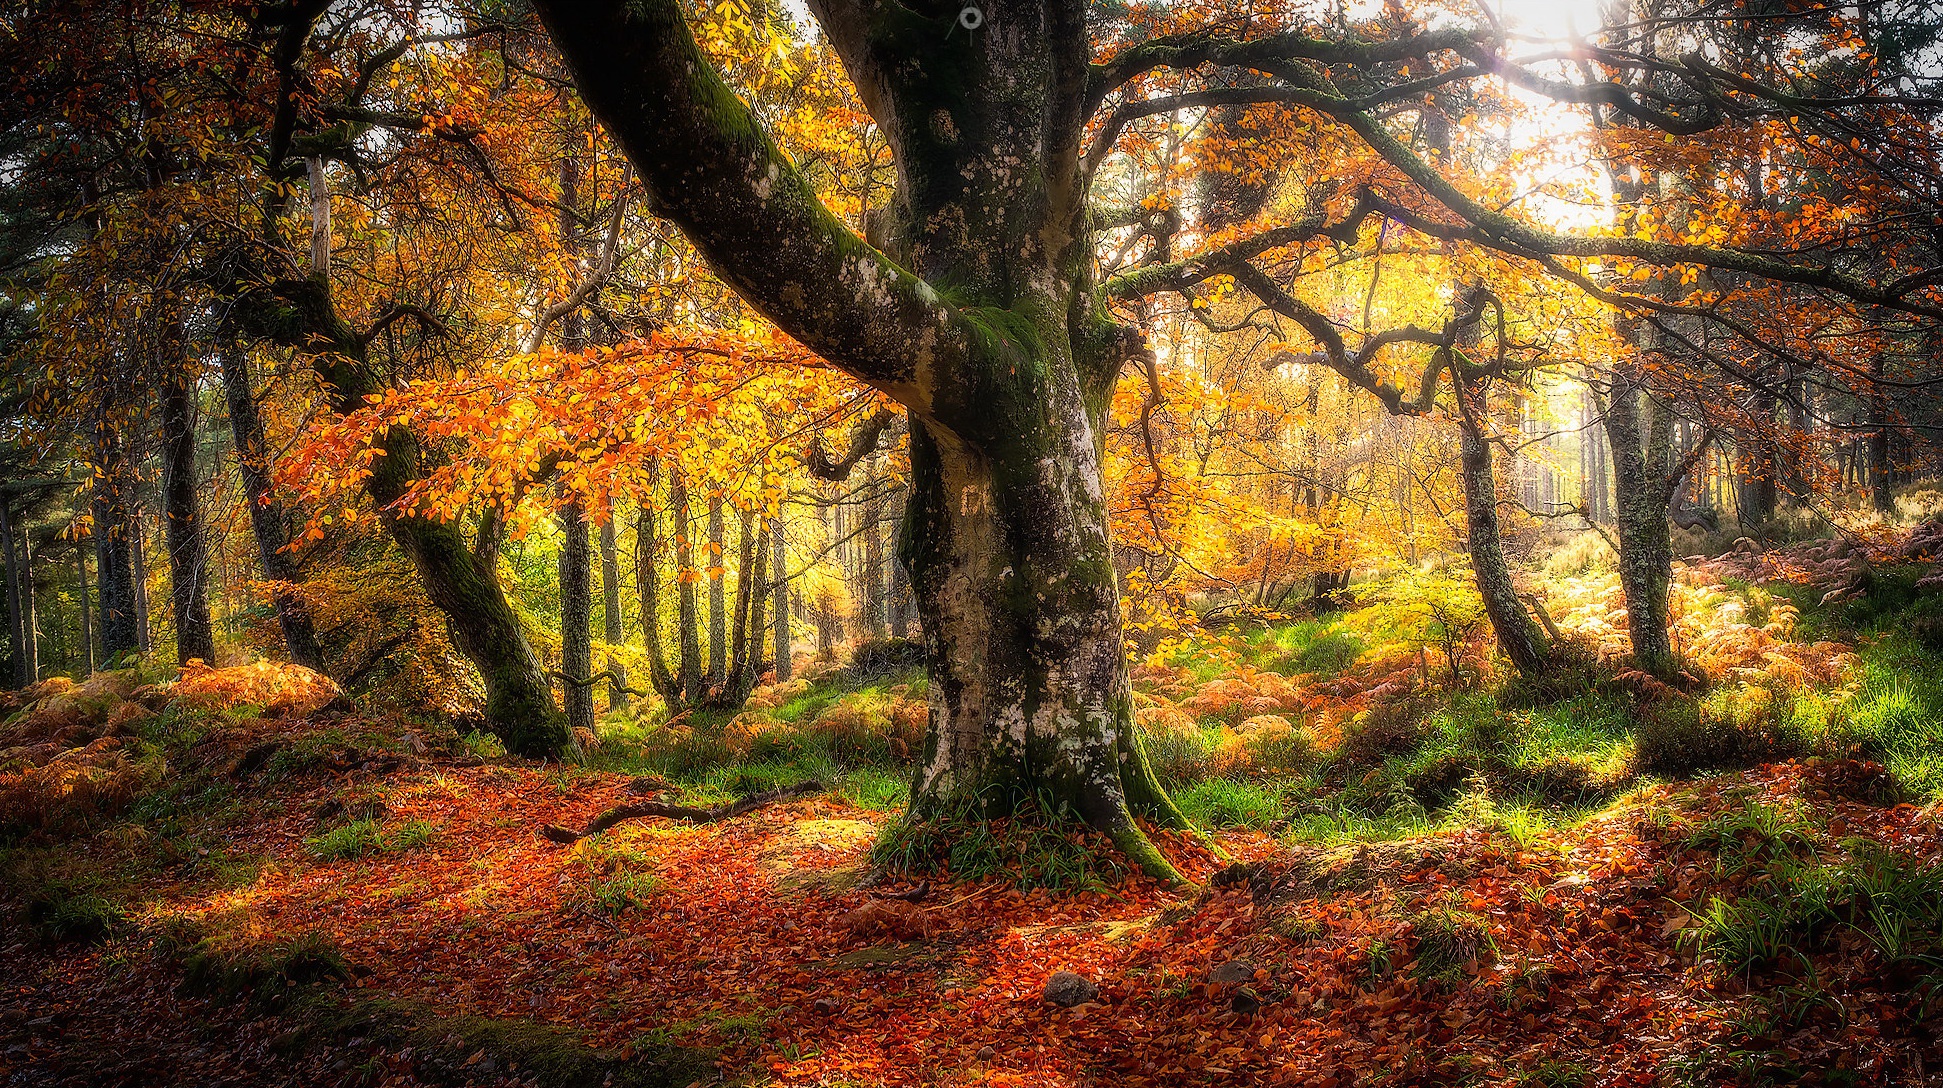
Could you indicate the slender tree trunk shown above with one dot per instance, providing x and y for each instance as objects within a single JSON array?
[
  {"x": 576, "y": 617},
  {"x": 87, "y": 627},
  {"x": 900, "y": 602},
  {"x": 745, "y": 651},
  {"x": 1881, "y": 495},
  {"x": 17, "y": 655},
  {"x": 613, "y": 633},
  {"x": 138, "y": 553},
  {"x": 718, "y": 640},
  {"x": 29, "y": 609},
  {"x": 779, "y": 584},
  {"x": 1518, "y": 638},
  {"x": 647, "y": 582},
  {"x": 195, "y": 636},
  {"x": 686, "y": 616},
  {"x": 1642, "y": 461},
  {"x": 267, "y": 520},
  {"x": 114, "y": 543}
]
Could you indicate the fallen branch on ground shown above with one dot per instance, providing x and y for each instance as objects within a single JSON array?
[{"x": 691, "y": 813}]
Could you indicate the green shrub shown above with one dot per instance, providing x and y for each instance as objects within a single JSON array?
[{"x": 1679, "y": 737}]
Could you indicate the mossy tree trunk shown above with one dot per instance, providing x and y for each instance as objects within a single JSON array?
[
  {"x": 462, "y": 581},
  {"x": 267, "y": 521},
  {"x": 985, "y": 325},
  {"x": 1518, "y": 637},
  {"x": 1640, "y": 430}
]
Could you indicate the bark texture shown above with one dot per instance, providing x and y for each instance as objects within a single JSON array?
[
  {"x": 195, "y": 636},
  {"x": 1005, "y": 376},
  {"x": 267, "y": 519}
]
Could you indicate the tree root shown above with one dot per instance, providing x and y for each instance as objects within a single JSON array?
[{"x": 691, "y": 813}]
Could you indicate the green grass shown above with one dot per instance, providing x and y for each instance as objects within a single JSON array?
[
  {"x": 360, "y": 838},
  {"x": 1044, "y": 846},
  {"x": 1896, "y": 713},
  {"x": 1326, "y": 648},
  {"x": 1227, "y": 802}
]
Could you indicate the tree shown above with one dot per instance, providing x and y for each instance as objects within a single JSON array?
[{"x": 981, "y": 314}]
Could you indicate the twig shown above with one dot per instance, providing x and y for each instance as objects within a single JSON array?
[{"x": 691, "y": 813}]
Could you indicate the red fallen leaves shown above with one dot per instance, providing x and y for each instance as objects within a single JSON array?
[
  {"x": 877, "y": 918},
  {"x": 740, "y": 948}
]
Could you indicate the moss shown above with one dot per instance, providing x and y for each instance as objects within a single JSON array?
[
  {"x": 268, "y": 976},
  {"x": 453, "y": 1049}
]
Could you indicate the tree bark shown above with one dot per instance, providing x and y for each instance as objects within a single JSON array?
[
  {"x": 779, "y": 585},
  {"x": 114, "y": 545},
  {"x": 686, "y": 617},
  {"x": 576, "y": 617},
  {"x": 1643, "y": 491},
  {"x": 1518, "y": 637},
  {"x": 138, "y": 554},
  {"x": 16, "y": 615},
  {"x": 718, "y": 636},
  {"x": 647, "y": 582},
  {"x": 1881, "y": 496},
  {"x": 613, "y": 633},
  {"x": 87, "y": 627},
  {"x": 267, "y": 520},
  {"x": 195, "y": 635},
  {"x": 875, "y": 612}
]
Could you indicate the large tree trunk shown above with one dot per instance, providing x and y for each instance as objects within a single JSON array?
[
  {"x": 1007, "y": 383},
  {"x": 195, "y": 636},
  {"x": 267, "y": 520},
  {"x": 114, "y": 546},
  {"x": 576, "y": 617},
  {"x": 1518, "y": 637},
  {"x": 1643, "y": 491},
  {"x": 1009, "y": 556}
]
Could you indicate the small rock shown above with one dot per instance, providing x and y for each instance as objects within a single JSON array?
[
  {"x": 1067, "y": 989},
  {"x": 985, "y": 1053},
  {"x": 1245, "y": 1003},
  {"x": 1232, "y": 973},
  {"x": 827, "y": 1006}
]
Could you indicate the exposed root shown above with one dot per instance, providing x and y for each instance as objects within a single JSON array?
[{"x": 691, "y": 813}]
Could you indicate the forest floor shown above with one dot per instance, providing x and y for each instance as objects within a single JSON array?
[{"x": 1413, "y": 876}]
